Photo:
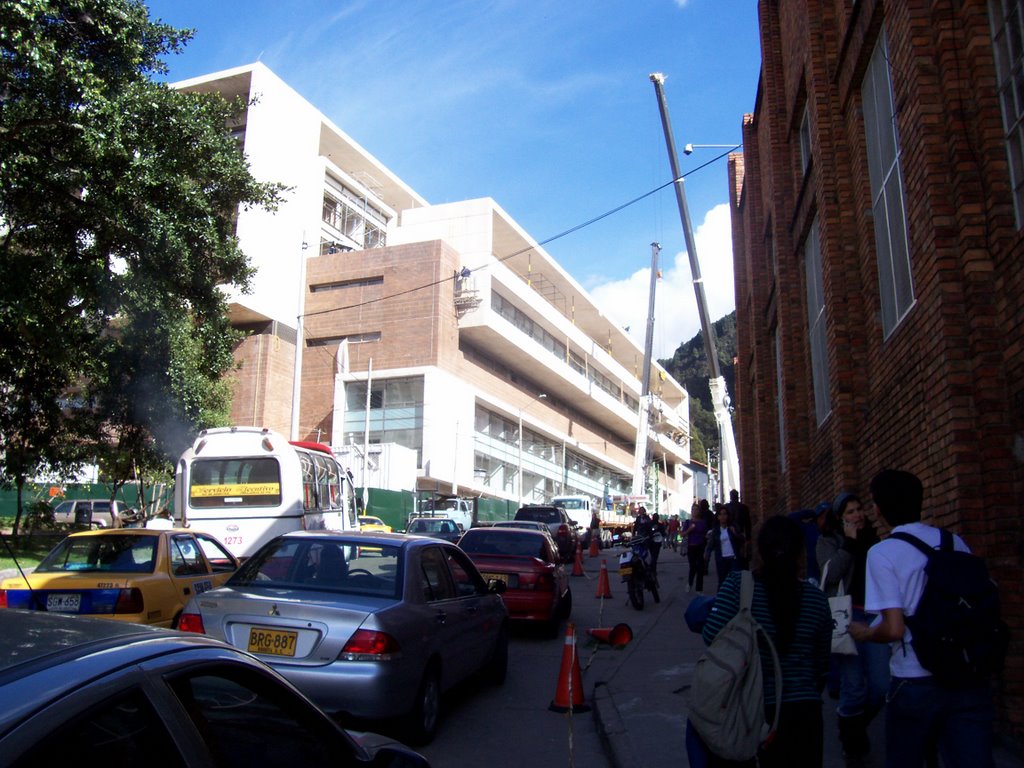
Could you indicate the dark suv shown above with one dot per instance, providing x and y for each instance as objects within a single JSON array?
[{"x": 563, "y": 529}]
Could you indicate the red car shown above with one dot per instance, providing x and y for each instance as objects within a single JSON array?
[{"x": 536, "y": 584}]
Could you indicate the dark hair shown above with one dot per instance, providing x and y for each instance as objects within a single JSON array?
[
  {"x": 898, "y": 495},
  {"x": 734, "y": 495},
  {"x": 781, "y": 545},
  {"x": 834, "y": 517}
]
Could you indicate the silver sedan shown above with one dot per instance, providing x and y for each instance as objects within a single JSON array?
[{"x": 369, "y": 625}]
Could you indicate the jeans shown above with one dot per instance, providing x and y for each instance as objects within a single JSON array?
[
  {"x": 695, "y": 554},
  {"x": 920, "y": 713},
  {"x": 864, "y": 678}
]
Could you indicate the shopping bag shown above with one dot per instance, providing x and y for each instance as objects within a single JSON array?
[{"x": 841, "y": 606}]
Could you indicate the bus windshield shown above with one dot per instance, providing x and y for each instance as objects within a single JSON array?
[{"x": 245, "y": 482}]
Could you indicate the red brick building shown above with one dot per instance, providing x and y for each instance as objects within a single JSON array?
[{"x": 878, "y": 209}]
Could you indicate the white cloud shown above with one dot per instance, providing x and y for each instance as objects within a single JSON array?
[{"x": 676, "y": 319}]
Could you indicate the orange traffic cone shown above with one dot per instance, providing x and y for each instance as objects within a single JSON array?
[
  {"x": 569, "y": 694},
  {"x": 617, "y": 637},
  {"x": 595, "y": 546},
  {"x": 604, "y": 589},
  {"x": 577, "y": 566}
]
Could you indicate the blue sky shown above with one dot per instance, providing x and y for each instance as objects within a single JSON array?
[{"x": 543, "y": 105}]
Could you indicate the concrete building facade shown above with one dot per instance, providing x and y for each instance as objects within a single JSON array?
[
  {"x": 877, "y": 234},
  {"x": 478, "y": 350}
]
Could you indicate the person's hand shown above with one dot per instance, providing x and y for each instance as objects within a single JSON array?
[
  {"x": 850, "y": 529},
  {"x": 859, "y": 631}
]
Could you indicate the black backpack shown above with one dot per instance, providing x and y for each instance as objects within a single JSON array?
[{"x": 957, "y": 631}]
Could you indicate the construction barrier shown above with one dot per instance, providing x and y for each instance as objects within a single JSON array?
[
  {"x": 595, "y": 544},
  {"x": 577, "y": 566}
]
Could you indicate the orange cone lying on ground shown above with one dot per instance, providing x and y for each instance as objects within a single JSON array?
[
  {"x": 604, "y": 589},
  {"x": 569, "y": 694},
  {"x": 595, "y": 547},
  {"x": 577, "y": 566},
  {"x": 617, "y": 637}
]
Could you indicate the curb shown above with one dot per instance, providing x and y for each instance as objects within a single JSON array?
[{"x": 612, "y": 729}]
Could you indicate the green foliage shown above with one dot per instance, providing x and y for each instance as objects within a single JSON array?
[
  {"x": 117, "y": 201},
  {"x": 689, "y": 366}
]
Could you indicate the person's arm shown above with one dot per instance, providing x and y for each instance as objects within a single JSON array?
[
  {"x": 828, "y": 549},
  {"x": 890, "y": 629}
]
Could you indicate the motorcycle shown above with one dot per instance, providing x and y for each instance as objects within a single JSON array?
[{"x": 637, "y": 573}]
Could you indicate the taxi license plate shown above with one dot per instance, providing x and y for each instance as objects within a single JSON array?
[
  {"x": 63, "y": 603},
  {"x": 272, "y": 642}
]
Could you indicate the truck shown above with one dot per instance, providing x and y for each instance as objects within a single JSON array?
[
  {"x": 579, "y": 508},
  {"x": 458, "y": 509}
]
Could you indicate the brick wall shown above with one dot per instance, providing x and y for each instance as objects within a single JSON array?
[{"x": 943, "y": 395}]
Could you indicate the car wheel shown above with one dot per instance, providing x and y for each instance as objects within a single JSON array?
[
  {"x": 426, "y": 712},
  {"x": 497, "y": 668}
]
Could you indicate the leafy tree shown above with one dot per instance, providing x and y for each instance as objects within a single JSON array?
[{"x": 117, "y": 207}]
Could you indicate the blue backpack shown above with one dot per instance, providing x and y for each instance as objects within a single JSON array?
[{"x": 956, "y": 628}]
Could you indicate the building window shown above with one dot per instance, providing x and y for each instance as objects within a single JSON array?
[
  {"x": 1007, "y": 21},
  {"x": 805, "y": 141},
  {"x": 816, "y": 324},
  {"x": 396, "y": 413},
  {"x": 895, "y": 282}
]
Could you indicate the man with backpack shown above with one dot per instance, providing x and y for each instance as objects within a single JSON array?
[{"x": 939, "y": 600}]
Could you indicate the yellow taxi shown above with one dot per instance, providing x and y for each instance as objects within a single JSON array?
[
  {"x": 133, "y": 574},
  {"x": 371, "y": 523}
]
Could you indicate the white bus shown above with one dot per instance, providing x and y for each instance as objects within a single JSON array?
[{"x": 246, "y": 485}]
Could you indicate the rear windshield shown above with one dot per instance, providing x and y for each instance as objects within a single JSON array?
[
  {"x": 325, "y": 565},
  {"x": 480, "y": 541},
  {"x": 246, "y": 482},
  {"x": 120, "y": 554},
  {"x": 540, "y": 515}
]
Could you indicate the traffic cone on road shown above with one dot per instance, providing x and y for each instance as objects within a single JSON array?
[
  {"x": 617, "y": 637},
  {"x": 577, "y": 566},
  {"x": 569, "y": 694},
  {"x": 604, "y": 589},
  {"x": 595, "y": 547}
]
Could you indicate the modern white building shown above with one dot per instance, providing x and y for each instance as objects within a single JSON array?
[{"x": 482, "y": 354}]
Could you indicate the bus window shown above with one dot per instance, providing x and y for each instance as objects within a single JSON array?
[
  {"x": 248, "y": 482},
  {"x": 308, "y": 481},
  {"x": 336, "y": 490},
  {"x": 323, "y": 477}
]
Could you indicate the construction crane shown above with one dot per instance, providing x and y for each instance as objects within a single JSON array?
[{"x": 720, "y": 402}]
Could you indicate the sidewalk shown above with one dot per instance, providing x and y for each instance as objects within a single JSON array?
[{"x": 640, "y": 709}]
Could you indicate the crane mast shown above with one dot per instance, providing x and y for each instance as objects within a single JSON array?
[{"x": 730, "y": 467}]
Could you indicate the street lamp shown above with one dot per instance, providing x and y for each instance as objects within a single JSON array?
[
  {"x": 519, "y": 477},
  {"x": 688, "y": 148}
]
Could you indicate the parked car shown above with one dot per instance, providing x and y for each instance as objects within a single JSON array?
[
  {"x": 368, "y": 625},
  {"x": 371, "y": 523},
  {"x": 527, "y": 563},
  {"x": 131, "y": 574},
  {"x": 435, "y": 527},
  {"x": 90, "y": 513},
  {"x": 528, "y": 525},
  {"x": 563, "y": 529},
  {"x": 84, "y": 691}
]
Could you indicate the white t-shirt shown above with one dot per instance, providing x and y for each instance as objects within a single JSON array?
[
  {"x": 727, "y": 550},
  {"x": 895, "y": 579}
]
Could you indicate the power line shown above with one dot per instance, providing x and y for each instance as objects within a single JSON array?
[{"x": 542, "y": 243}]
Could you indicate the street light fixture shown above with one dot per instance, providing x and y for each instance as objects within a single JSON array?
[
  {"x": 519, "y": 477},
  {"x": 688, "y": 148}
]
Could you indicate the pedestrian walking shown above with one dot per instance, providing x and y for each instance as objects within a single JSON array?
[
  {"x": 695, "y": 533},
  {"x": 727, "y": 545},
  {"x": 842, "y": 552}
]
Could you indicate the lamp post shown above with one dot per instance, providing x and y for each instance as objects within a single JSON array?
[
  {"x": 688, "y": 148},
  {"x": 519, "y": 440}
]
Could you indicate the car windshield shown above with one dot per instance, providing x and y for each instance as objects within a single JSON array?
[
  {"x": 430, "y": 526},
  {"x": 120, "y": 553},
  {"x": 481, "y": 541},
  {"x": 341, "y": 566}
]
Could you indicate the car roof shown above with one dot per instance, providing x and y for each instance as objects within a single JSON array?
[
  {"x": 154, "y": 532},
  {"x": 31, "y": 639},
  {"x": 363, "y": 537}
]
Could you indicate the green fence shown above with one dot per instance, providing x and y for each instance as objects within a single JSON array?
[{"x": 32, "y": 492}]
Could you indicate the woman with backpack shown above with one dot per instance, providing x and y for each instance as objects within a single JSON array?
[
  {"x": 842, "y": 553},
  {"x": 795, "y": 615}
]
